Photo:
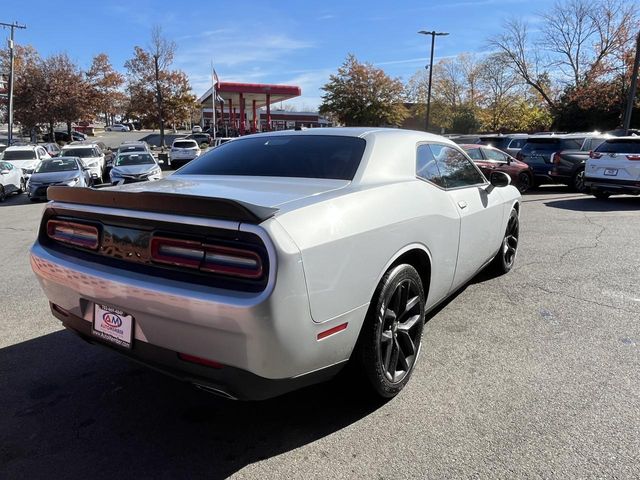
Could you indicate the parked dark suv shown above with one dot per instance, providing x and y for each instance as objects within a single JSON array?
[
  {"x": 510, "y": 143},
  {"x": 538, "y": 150}
]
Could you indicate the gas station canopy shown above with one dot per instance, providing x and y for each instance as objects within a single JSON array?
[{"x": 251, "y": 91}]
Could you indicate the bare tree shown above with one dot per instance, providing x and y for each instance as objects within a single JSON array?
[
  {"x": 501, "y": 91},
  {"x": 150, "y": 68},
  {"x": 579, "y": 42},
  {"x": 526, "y": 61}
]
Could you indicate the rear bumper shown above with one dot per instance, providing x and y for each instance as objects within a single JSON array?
[
  {"x": 229, "y": 382},
  {"x": 613, "y": 185},
  {"x": 268, "y": 334}
]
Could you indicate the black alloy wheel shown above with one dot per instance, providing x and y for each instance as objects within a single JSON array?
[
  {"x": 524, "y": 182},
  {"x": 506, "y": 257},
  {"x": 577, "y": 183},
  {"x": 392, "y": 333}
]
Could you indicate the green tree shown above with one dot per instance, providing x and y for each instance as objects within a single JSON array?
[{"x": 360, "y": 94}]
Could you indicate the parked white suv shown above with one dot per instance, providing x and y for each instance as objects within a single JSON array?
[
  {"x": 614, "y": 167},
  {"x": 92, "y": 158},
  {"x": 26, "y": 157},
  {"x": 183, "y": 151}
]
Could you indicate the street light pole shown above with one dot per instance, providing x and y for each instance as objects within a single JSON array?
[
  {"x": 12, "y": 26},
  {"x": 433, "y": 44},
  {"x": 626, "y": 123}
]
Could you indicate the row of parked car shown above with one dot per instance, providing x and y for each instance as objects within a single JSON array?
[
  {"x": 34, "y": 168},
  {"x": 565, "y": 159}
]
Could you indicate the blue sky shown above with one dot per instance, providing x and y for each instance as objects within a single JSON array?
[{"x": 299, "y": 43}]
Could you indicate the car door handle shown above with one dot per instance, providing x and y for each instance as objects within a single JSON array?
[{"x": 462, "y": 204}]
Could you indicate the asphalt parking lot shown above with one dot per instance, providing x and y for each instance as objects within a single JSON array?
[{"x": 534, "y": 374}]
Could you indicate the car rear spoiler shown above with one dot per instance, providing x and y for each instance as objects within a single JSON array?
[{"x": 172, "y": 203}]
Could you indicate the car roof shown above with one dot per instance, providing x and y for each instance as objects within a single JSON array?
[
  {"x": 630, "y": 138},
  {"x": 80, "y": 144},
  {"x": 21, "y": 147},
  {"x": 63, "y": 157}
]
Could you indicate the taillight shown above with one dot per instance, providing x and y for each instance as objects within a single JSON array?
[
  {"x": 555, "y": 158},
  {"x": 71, "y": 233},
  {"x": 633, "y": 157},
  {"x": 595, "y": 155},
  {"x": 181, "y": 253},
  {"x": 223, "y": 260},
  {"x": 231, "y": 261}
]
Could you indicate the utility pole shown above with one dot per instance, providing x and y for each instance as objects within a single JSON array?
[
  {"x": 433, "y": 44},
  {"x": 12, "y": 26},
  {"x": 626, "y": 123}
]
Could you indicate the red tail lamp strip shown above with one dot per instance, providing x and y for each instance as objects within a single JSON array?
[
  {"x": 332, "y": 331},
  {"x": 218, "y": 259},
  {"x": 232, "y": 261},
  {"x": 182, "y": 253},
  {"x": 80, "y": 235},
  {"x": 200, "y": 361}
]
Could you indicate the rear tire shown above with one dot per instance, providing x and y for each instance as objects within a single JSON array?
[
  {"x": 525, "y": 182},
  {"x": 577, "y": 181},
  {"x": 599, "y": 194},
  {"x": 3, "y": 194},
  {"x": 391, "y": 335},
  {"x": 506, "y": 257}
]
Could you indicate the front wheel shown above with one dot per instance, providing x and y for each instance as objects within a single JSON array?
[
  {"x": 392, "y": 332},
  {"x": 506, "y": 257}
]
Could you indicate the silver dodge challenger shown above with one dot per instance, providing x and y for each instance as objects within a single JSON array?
[{"x": 271, "y": 262}]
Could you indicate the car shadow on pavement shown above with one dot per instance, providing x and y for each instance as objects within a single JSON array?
[
  {"x": 587, "y": 203},
  {"x": 85, "y": 412},
  {"x": 15, "y": 199}
]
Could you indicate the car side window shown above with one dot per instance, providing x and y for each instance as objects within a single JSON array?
[
  {"x": 494, "y": 155},
  {"x": 517, "y": 143},
  {"x": 475, "y": 154},
  {"x": 456, "y": 169},
  {"x": 427, "y": 167}
]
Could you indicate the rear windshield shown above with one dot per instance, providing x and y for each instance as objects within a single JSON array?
[
  {"x": 132, "y": 148},
  {"x": 134, "y": 159},
  {"x": 617, "y": 146},
  {"x": 19, "y": 155},
  {"x": 306, "y": 156},
  {"x": 81, "y": 152},
  {"x": 185, "y": 144},
  {"x": 57, "y": 165}
]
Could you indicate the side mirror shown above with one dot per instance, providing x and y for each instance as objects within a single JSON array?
[{"x": 499, "y": 179}]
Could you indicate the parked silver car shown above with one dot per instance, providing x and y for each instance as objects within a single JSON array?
[
  {"x": 134, "y": 167},
  {"x": 68, "y": 171},
  {"x": 273, "y": 260}
]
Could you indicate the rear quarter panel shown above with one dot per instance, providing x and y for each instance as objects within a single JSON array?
[{"x": 347, "y": 242}]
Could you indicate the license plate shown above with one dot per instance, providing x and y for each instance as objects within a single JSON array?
[
  {"x": 611, "y": 171},
  {"x": 112, "y": 325}
]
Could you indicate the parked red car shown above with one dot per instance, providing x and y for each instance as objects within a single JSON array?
[{"x": 490, "y": 159}]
